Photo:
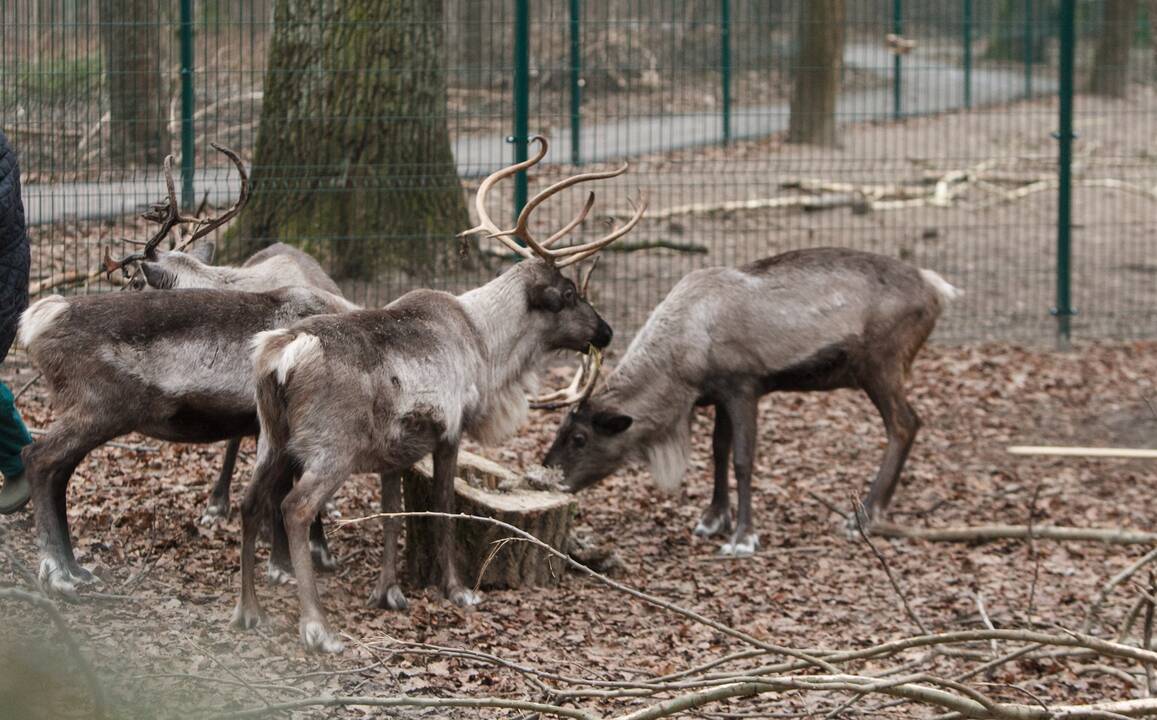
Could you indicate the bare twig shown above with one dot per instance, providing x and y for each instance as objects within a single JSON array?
[
  {"x": 405, "y": 701},
  {"x": 1032, "y": 550},
  {"x": 1147, "y": 642},
  {"x": 26, "y": 386},
  {"x": 1112, "y": 536},
  {"x": 638, "y": 594},
  {"x": 1111, "y": 584},
  {"x": 860, "y": 515}
]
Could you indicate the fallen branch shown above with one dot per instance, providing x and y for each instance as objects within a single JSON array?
[
  {"x": 980, "y": 533},
  {"x": 1111, "y": 584},
  {"x": 64, "y": 279},
  {"x": 1088, "y": 452},
  {"x": 404, "y": 701}
]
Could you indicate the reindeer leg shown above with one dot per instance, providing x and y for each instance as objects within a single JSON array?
[
  {"x": 388, "y": 594},
  {"x": 742, "y": 411},
  {"x": 445, "y": 467},
  {"x": 219, "y": 497},
  {"x": 901, "y": 423},
  {"x": 300, "y": 507},
  {"x": 49, "y": 465},
  {"x": 279, "y": 569},
  {"x": 716, "y": 519},
  {"x": 272, "y": 477}
]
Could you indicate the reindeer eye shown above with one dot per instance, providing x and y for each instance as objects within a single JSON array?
[
  {"x": 579, "y": 440},
  {"x": 568, "y": 295}
]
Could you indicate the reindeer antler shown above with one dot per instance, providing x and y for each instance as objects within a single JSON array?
[
  {"x": 580, "y": 388},
  {"x": 563, "y": 256},
  {"x": 167, "y": 215},
  {"x": 583, "y": 382}
]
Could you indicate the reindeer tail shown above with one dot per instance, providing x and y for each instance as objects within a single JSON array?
[{"x": 275, "y": 354}]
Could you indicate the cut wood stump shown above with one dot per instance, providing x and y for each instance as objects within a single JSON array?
[{"x": 486, "y": 488}]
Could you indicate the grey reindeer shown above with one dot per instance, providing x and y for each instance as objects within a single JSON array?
[
  {"x": 376, "y": 390},
  {"x": 171, "y": 365},
  {"x": 276, "y": 266},
  {"x": 807, "y": 320}
]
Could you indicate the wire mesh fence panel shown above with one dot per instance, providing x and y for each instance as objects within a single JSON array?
[{"x": 922, "y": 129}]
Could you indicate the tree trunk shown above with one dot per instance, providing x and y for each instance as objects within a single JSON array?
[
  {"x": 131, "y": 33},
  {"x": 817, "y": 76},
  {"x": 1111, "y": 63},
  {"x": 545, "y": 515},
  {"x": 353, "y": 158}
]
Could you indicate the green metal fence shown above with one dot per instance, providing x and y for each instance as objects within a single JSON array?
[{"x": 947, "y": 122}]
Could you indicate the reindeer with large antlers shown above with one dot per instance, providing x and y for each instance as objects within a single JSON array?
[{"x": 376, "y": 390}]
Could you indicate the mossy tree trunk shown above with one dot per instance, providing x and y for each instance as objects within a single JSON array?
[
  {"x": 131, "y": 33},
  {"x": 1110, "y": 74},
  {"x": 353, "y": 158},
  {"x": 817, "y": 74}
]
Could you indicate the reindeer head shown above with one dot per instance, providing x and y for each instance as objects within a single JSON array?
[
  {"x": 176, "y": 269},
  {"x": 592, "y": 442},
  {"x": 162, "y": 270},
  {"x": 570, "y": 322}
]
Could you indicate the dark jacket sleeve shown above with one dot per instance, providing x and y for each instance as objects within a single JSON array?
[{"x": 14, "y": 257}]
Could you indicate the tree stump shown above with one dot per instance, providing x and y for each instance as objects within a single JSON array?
[{"x": 488, "y": 489}]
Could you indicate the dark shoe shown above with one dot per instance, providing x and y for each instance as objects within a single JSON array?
[{"x": 14, "y": 494}]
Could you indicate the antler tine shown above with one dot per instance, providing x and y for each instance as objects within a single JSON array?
[
  {"x": 521, "y": 230},
  {"x": 208, "y": 226},
  {"x": 486, "y": 224},
  {"x": 590, "y": 203},
  {"x": 171, "y": 217},
  {"x": 585, "y": 277},
  {"x": 582, "y": 252},
  {"x": 580, "y": 388}
]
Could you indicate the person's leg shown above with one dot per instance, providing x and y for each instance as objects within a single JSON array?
[{"x": 14, "y": 436}]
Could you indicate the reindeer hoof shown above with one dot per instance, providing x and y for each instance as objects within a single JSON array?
[
  {"x": 56, "y": 580},
  {"x": 213, "y": 515},
  {"x": 331, "y": 510},
  {"x": 316, "y": 637},
  {"x": 464, "y": 598},
  {"x": 713, "y": 523},
  {"x": 741, "y": 545},
  {"x": 245, "y": 618},
  {"x": 279, "y": 575},
  {"x": 391, "y": 599},
  {"x": 322, "y": 558}
]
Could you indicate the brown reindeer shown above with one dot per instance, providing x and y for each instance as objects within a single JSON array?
[
  {"x": 807, "y": 320},
  {"x": 375, "y": 390}
]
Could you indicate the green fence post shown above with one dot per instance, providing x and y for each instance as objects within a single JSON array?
[
  {"x": 188, "y": 151},
  {"x": 968, "y": 54},
  {"x": 521, "y": 97},
  {"x": 897, "y": 29},
  {"x": 1028, "y": 57},
  {"x": 725, "y": 65},
  {"x": 576, "y": 69},
  {"x": 1064, "y": 309}
]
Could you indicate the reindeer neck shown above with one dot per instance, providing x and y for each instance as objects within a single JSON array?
[
  {"x": 657, "y": 400},
  {"x": 499, "y": 311}
]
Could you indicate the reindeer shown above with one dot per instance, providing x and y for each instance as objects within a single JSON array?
[
  {"x": 171, "y": 365},
  {"x": 375, "y": 390},
  {"x": 807, "y": 320},
  {"x": 278, "y": 265}
]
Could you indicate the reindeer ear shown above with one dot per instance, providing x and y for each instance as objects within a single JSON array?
[
  {"x": 205, "y": 252},
  {"x": 607, "y": 423},
  {"x": 158, "y": 277}
]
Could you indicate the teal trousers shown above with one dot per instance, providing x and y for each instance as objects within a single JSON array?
[{"x": 13, "y": 434}]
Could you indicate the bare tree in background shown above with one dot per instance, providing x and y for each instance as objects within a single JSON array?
[
  {"x": 353, "y": 144},
  {"x": 817, "y": 75},
  {"x": 131, "y": 33},
  {"x": 1111, "y": 63}
]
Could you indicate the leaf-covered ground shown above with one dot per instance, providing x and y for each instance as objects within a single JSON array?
[{"x": 157, "y": 629}]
